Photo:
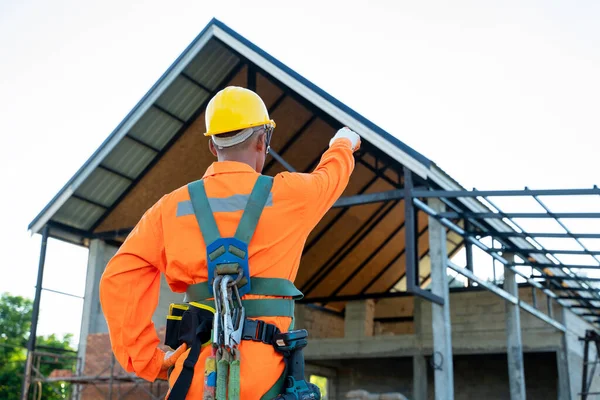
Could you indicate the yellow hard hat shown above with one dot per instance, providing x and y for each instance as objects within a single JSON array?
[{"x": 235, "y": 108}]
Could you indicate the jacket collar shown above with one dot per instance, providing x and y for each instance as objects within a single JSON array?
[{"x": 227, "y": 167}]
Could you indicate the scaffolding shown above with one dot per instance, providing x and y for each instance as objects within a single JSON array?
[{"x": 109, "y": 382}]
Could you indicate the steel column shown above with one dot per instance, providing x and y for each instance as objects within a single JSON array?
[
  {"x": 514, "y": 345},
  {"x": 442, "y": 337},
  {"x": 412, "y": 284},
  {"x": 35, "y": 315},
  {"x": 469, "y": 251}
]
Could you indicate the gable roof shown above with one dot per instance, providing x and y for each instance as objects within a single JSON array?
[{"x": 168, "y": 108}]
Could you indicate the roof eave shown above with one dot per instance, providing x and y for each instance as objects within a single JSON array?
[{"x": 113, "y": 139}]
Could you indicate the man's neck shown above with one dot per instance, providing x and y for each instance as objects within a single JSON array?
[{"x": 240, "y": 158}]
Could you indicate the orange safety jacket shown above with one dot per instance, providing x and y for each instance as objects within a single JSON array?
[{"x": 167, "y": 240}]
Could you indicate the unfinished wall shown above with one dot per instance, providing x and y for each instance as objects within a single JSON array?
[
  {"x": 479, "y": 318},
  {"x": 318, "y": 323},
  {"x": 475, "y": 376}
]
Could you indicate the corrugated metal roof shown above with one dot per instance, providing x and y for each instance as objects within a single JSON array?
[
  {"x": 129, "y": 158},
  {"x": 212, "y": 65},
  {"x": 78, "y": 214},
  {"x": 155, "y": 128},
  {"x": 102, "y": 187},
  {"x": 182, "y": 98}
]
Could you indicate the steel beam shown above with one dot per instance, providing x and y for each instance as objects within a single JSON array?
[
  {"x": 442, "y": 336},
  {"x": 504, "y": 193},
  {"x": 493, "y": 215},
  {"x": 550, "y": 265},
  {"x": 549, "y": 251},
  {"x": 281, "y": 161},
  {"x": 514, "y": 343},
  {"x": 355, "y": 297},
  {"x": 535, "y": 235},
  {"x": 362, "y": 199}
]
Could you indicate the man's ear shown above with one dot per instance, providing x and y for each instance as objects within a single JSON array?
[
  {"x": 261, "y": 143},
  {"x": 211, "y": 147}
]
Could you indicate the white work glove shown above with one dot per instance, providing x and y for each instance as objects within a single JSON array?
[
  {"x": 170, "y": 360},
  {"x": 348, "y": 134}
]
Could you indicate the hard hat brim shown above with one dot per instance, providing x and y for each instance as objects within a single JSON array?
[{"x": 269, "y": 122}]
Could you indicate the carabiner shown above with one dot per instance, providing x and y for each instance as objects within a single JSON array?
[
  {"x": 227, "y": 322},
  {"x": 240, "y": 318},
  {"x": 217, "y": 320}
]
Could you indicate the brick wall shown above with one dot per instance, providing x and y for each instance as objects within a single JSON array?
[{"x": 98, "y": 362}]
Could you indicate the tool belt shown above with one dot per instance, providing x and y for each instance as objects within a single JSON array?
[{"x": 192, "y": 323}]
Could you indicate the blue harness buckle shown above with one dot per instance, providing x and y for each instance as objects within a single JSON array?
[{"x": 229, "y": 256}]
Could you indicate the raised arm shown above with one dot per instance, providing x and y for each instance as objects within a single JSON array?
[{"x": 321, "y": 188}]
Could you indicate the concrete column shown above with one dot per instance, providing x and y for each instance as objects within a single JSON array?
[
  {"x": 359, "y": 318},
  {"x": 442, "y": 337},
  {"x": 419, "y": 377},
  {"x": 562, "y": 363},
  {"x": 92, "y": 319},
  {"x": 514, "y": 347},
  {"x": 419, "y": 362}
]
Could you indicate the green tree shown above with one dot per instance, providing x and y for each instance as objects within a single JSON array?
[{"x": 15, "y": 322}]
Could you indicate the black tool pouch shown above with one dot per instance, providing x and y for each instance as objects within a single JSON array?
[{"x": 188, "y": 322}]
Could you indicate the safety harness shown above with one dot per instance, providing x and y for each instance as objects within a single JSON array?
[{"x": 214, "y": 312}]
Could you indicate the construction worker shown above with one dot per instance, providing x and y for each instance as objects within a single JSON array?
[{"x": 168, "y": 240}]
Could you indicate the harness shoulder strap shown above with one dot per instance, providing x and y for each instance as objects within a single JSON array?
[
  {"x": 254, "y": 208},
  {"x": 203, "y": 212}
]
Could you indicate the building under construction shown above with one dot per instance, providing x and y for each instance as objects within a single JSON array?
[{"x": 396, "y": 298}]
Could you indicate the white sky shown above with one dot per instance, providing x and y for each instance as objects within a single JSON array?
[{"x": 499, "y": 94}]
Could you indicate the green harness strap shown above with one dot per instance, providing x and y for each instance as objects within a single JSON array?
[
  {"x": 254, "y": 308},
  {"x": 254, "y": 208},
  {"x": 260, "y": 286},
  {"x": 203, "y": 212}
]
